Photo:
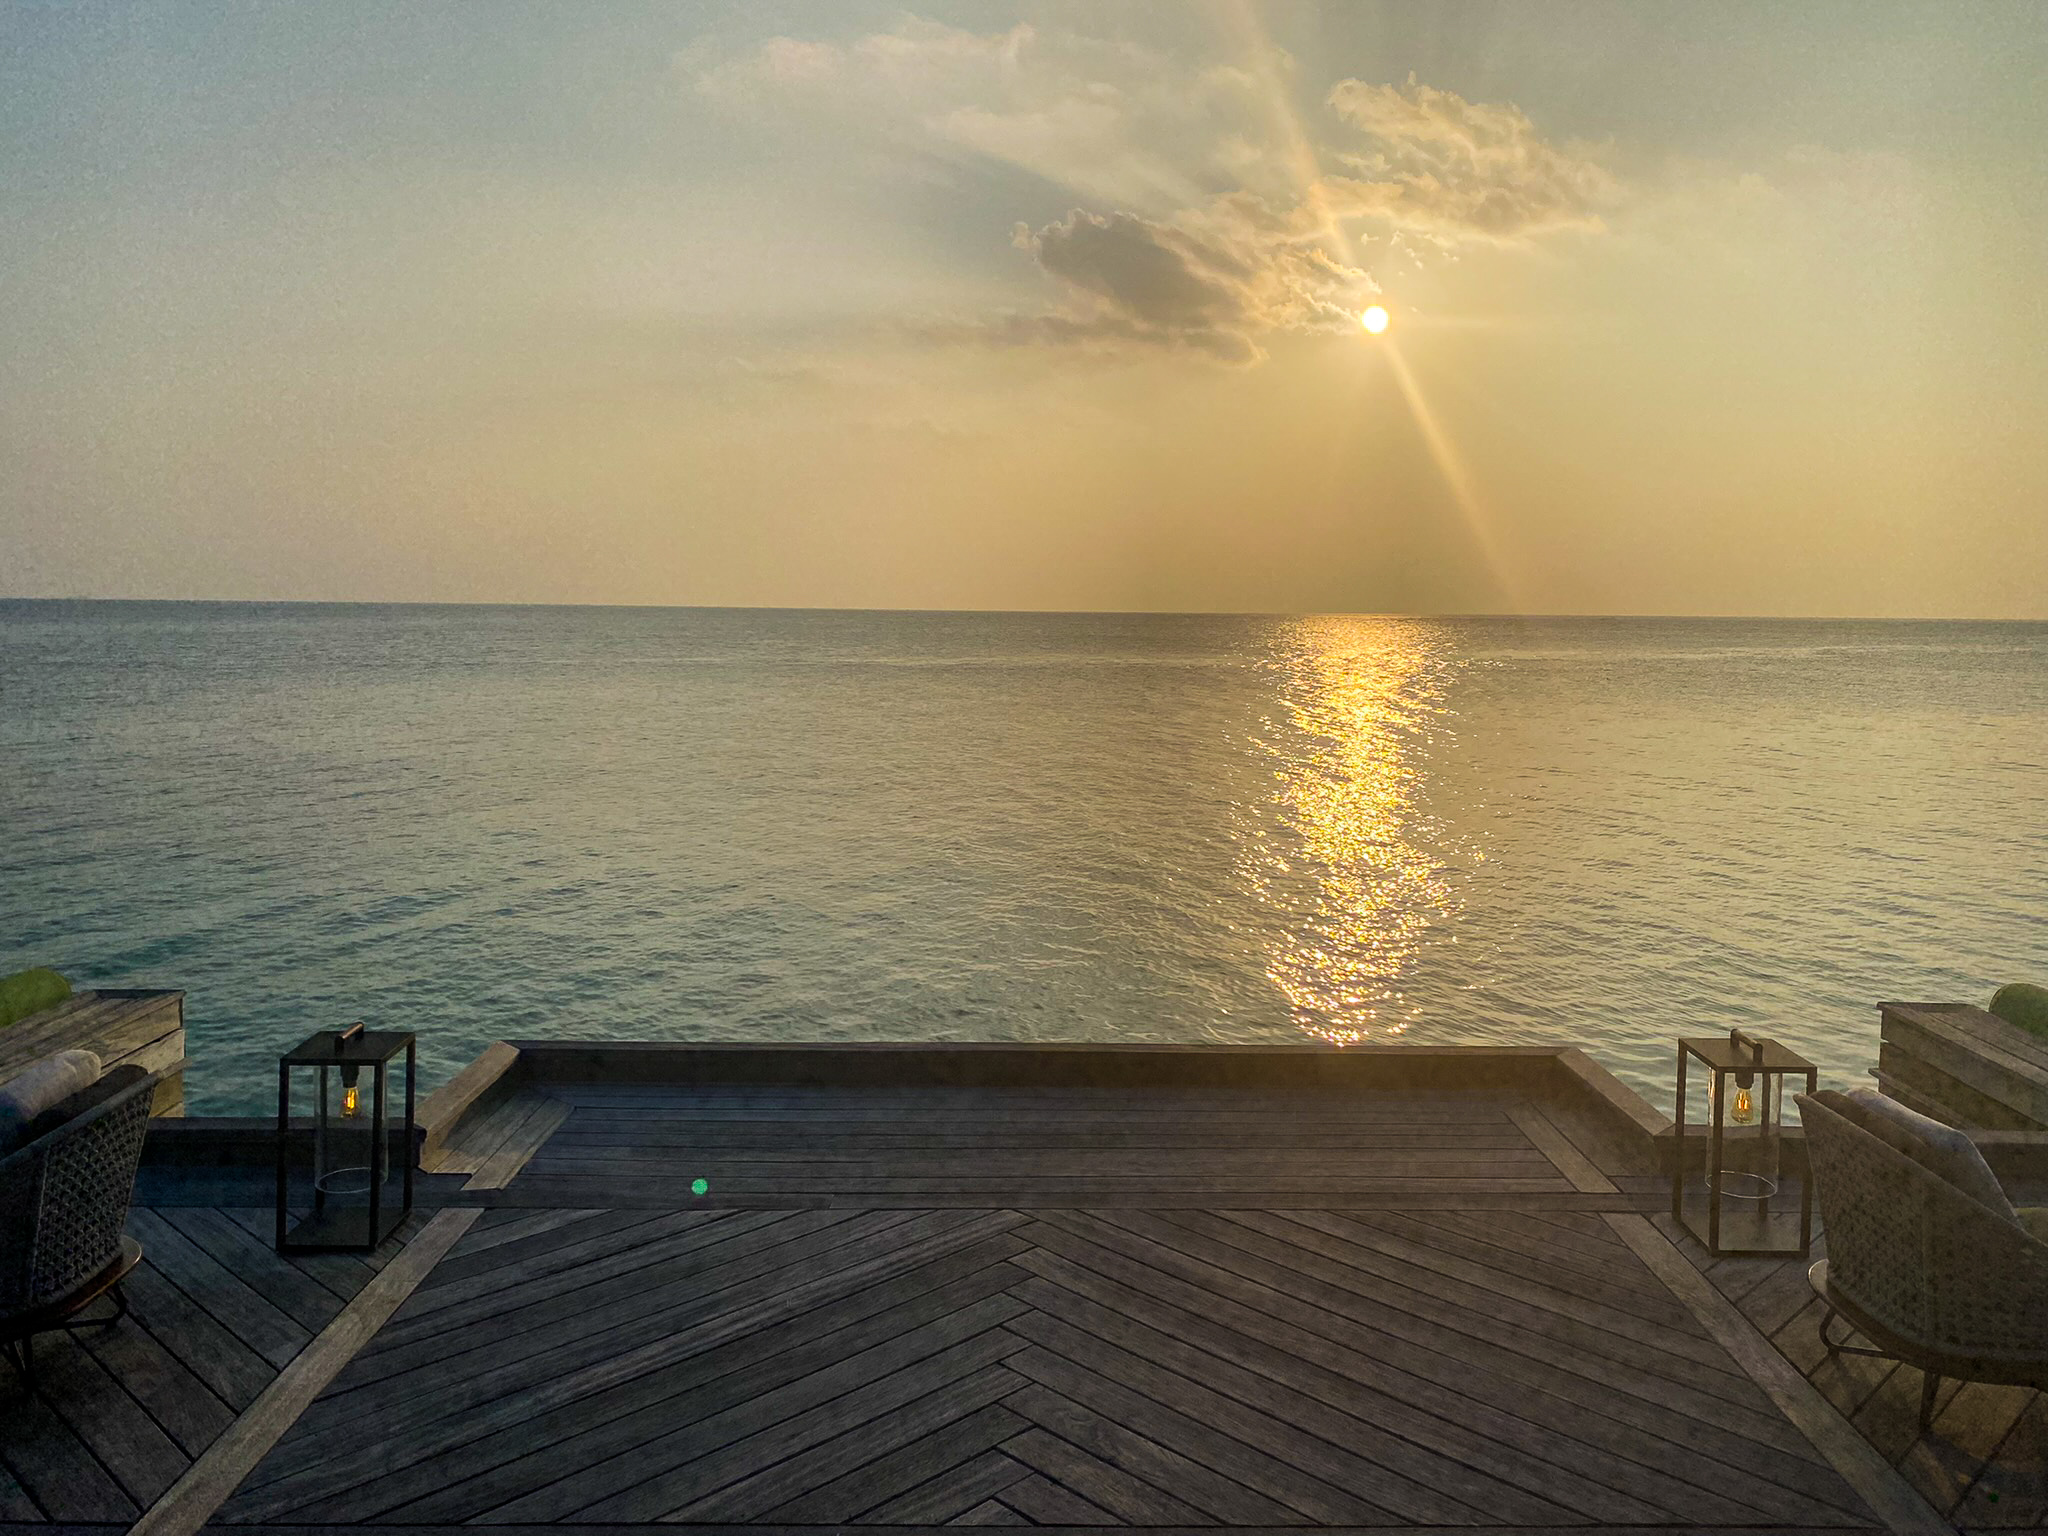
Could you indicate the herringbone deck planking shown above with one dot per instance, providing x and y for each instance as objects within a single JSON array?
[
  {"x": 1169, "y": 1368},
  {"x": 1983, "y": 1464},
  {"x": 123, "y": 1410}
]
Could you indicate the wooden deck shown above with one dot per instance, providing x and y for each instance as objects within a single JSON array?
[
  {"x": 783, "y": 1146},
  {"x": 1059, "y": 1367},
  {"x": 923, "y": 1306},
  {"x": 1984, "y": 1465},
  {"x": 123, "y": 1411}
]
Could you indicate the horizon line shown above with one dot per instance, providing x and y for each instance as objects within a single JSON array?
[{"x": 1157, "y": 613}]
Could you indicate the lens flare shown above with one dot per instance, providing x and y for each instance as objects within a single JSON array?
[{"x": 1374, "y": 319}]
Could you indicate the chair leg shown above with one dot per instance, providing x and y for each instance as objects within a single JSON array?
[
  {"x": 1930, "y": 1384},
  {"x": 1836, "y": 1347},
  {"x": 21, "y": 1354},
  {"x": 117, "y": 1295},
  {"x": 1827, "y": 1321}
]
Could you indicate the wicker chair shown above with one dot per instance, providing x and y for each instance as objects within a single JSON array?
[
  {"x": 63, "y": 1205},
  {"x": 1932, "y": 1276}
]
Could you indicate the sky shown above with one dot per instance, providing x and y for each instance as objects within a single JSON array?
[{"x": 1728, "y": 309}]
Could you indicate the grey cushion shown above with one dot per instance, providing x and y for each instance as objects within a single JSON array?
[
  {"x": 1941, "y": 1149},
  {"x": 49, "y": 1081}
]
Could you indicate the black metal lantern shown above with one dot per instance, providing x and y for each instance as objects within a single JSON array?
[
  {"x": 349, "y": 1206},
  {"x": 1741, "y": 1208}
]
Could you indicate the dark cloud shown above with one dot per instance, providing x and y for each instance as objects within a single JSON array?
[{"x": 1213, "y": 289}]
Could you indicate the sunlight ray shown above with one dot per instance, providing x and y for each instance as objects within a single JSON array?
[
  {"x": 1248, "y": 29},
  {"x": 1457, "y": 478}
]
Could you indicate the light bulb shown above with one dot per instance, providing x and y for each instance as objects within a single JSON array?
[{"x": 1743, "y": 1110}]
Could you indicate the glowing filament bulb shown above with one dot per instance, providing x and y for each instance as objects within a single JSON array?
[
  {"x": 1743, "y": 1110},
  {"x": 351, "y": 1100}
]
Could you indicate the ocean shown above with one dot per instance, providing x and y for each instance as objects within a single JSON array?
[{"x": 689, "y": 824}]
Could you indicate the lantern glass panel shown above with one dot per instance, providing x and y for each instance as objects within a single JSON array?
[
  {"x": 344, "y": 1140},
  {"x": 1730, "y": 1187}
]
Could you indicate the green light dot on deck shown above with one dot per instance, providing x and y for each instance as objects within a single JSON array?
[{"x": 700, "y": 1186}]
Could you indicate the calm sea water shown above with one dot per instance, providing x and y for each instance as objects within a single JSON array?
[{"x": 482, "y": 823}]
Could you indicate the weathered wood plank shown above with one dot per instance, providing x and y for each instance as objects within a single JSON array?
[
  {"x": 685, "y": 1468},
  {"x": 1512, "y": 1237},
  {"x": 1689, "y": 1446},
  {"x": 113, "y": 1026},
  {"x": 951, "y": 1493},
  {"x": 442, "y": 1113},
  {"x": 516, "y": 1444},
  {"x": 1126, "y": 1498},
  {"x": 183, "y": 1405},
  {"x": 1486, "y": 1458},
  {"x": 619, "y": 1352},
  {"x": 55, "y": 1468},
  {"x": 1553, "y": 1340},
  {"x": 881, "y": 1478},
  {"x": 1686, "y": 1341},
  {"x": 514, "y": 1225},
  {"x": 1267, "y": 1454},
  {"x": 855, "y": 1444},
  {"x": 1998, "y": 1062},
  {"x": 666, "y": 1273},
  {"x": 1550, "y": 1139},
  {"x": 804, "y": 1163},
  {"x": 490, "y": 1270},
  {"x": 1614, "y": 1285},
  {"x": 1012, "y": 1133},
  {"x": 243, "y": 1311},
  {"x": 207, "y": 1348},
  {"x": 192, "y": 1500},
  {"x": 992, "y": 1512},
  {"x": 526, "y": 1137},
  {"x": 1047, "y": 1503},
  {"x": 2012, "y": 1488},
  {"x": 1941, "y": 1466},
  {"x": 1872, "y": 1477},
  {"x": 124, "y": 1439},
  {"x": 17, "y": 1508},
  {"x": 540, "y": 1191},
  {"x": 343, "y": 1274},
  {"x": 257, "y": 1264},
  {"x": 1220, "y": 1498}
]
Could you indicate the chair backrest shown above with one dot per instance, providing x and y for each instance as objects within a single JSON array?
[
  {"x": 1917, "y": 1255},
  {"x": 64, "y": 1200}
]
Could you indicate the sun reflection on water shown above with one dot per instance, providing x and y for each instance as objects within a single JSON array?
[{"x": 1348, "y": 848}]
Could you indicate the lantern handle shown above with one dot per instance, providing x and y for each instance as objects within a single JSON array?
[
  {"x": 1751, "y": 1043},
  {"x": 1755, "y": 1046}
]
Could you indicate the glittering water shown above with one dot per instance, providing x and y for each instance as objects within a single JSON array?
[{"x": 615, "y": 823}]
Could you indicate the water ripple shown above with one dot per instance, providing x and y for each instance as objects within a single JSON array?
[{"x": 625, "y": 824}]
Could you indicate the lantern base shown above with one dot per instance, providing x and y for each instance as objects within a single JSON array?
[
  {"x": 1747, "y": 1231},
  {"x": 343, "y": 1230}
]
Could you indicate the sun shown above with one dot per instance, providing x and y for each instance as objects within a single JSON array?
[{"x": 1374, "y": 319}]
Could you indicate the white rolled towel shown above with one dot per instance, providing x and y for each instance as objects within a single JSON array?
[{"x": 48, "y": 1081}]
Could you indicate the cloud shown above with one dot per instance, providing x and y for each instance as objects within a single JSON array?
[
  {"x": 1103, "y": 119},
  {"x": 1214, "y": 290},
  {"x": 1204, "y": 217},
  {"x": 1453, "y": 170}
]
